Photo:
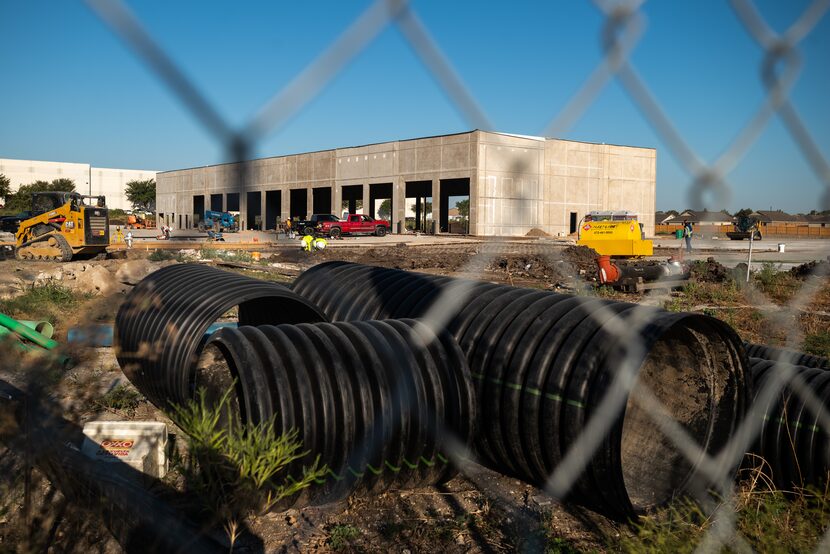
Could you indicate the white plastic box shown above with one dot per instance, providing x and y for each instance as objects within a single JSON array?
[{"x": 140, "y": 444}]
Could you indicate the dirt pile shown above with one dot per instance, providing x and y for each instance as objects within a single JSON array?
[
  {"x": 533, "y": 266},
  {"x": 582, "y": 258},
  {"x": 709, "y": 271},
  {"x": 98, "y": 277},
  {"x": 811, "y": 268},
  {"x": 536, "y": 232}
]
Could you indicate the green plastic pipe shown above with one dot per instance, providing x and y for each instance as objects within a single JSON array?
[
  {"x": 43, "y": 327},
  {"x": 26, "y": 332}
]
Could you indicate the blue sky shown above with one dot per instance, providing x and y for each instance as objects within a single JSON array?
[{"x": 72, "y": 91}]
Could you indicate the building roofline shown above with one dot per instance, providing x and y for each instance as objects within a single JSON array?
[
  {"x": 530, "y": 137},
  {"x": 79, "y": 163},
  {"x": 321, "y": 150}
]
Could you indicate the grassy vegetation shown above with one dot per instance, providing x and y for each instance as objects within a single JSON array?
[
  {"x": 51, "y": 302},
  {"x": 768, "y": 520},
  {"x": 779, "y": 286},
  {"x": 818, "y": 343},
  {"x": 342, "y": 536},
  {"x": 237, "y": 471},
  {"x": 123, "y": 398},
  {"x": 165, "y": 255},
  {"x": 240, "y": 256}
]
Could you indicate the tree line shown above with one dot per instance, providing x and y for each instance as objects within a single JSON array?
[{"x": 140, "y": 193}]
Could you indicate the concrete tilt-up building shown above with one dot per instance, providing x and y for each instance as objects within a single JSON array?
[{"x": 514, "y": 183}]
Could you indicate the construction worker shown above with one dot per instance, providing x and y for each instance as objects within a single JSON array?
[
  {"x": 307, "y": 241},
  {"x": 129, "y": 239},
  {"x": 687, "y": 234},
  {"x": 119, "y": 235},
  {"x": 289, "y": 228},
  {"x": 310, "y": 243}
]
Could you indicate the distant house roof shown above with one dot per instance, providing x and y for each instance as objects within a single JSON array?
[
  {"x": 817, "y": 218},
  {"x": 453, "y": 212},
  {"x": 767, "y": 216},
  {"x": 661, "y": 217},
  {"x": 693, "y": 216}
]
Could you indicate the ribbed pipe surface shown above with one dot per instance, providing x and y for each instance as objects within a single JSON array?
[
  {"x": 543, "y": 362},
  {"x": 377, "y": 401},
  {"x": 785, "y": 355},
  {"x": 159, "y": 327},
  {"x": 793, "y": 440}
]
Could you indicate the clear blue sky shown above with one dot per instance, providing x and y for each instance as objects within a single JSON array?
[{"x": 71, "y": 91}]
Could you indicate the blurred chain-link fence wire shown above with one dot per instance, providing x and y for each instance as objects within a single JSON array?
[{"x": 624, "y": 25}]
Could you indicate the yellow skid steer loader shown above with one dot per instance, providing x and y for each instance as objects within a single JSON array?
[{"x": 63, "y": 224}]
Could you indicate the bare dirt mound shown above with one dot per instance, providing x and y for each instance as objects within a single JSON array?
[
  {"x": 536, "y": 232},
  {"x": 709, "y": 271},
  {"x": 582, "y": 258},
  {"x": 810, "y": 268}
]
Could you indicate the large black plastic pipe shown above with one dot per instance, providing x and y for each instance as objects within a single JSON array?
[
  {"x": 543, "y": 362},
  {"x": 793, "y": 441},
  {"x": 160, "y": 326},
  {"x": 377, "y": 401},
  {"x": 785, "y": 355}
]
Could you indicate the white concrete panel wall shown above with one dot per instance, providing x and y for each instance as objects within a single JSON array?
[
  {"x": 112, "y": 183},
  {"x": 582, "y": 177},
  {"x": 510, "y": 171},
  {"x": 25, "y": 172},
  {"x": 109, "y": 182}
]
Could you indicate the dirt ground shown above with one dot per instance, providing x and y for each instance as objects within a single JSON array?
[{"x": 480, "y": 512}]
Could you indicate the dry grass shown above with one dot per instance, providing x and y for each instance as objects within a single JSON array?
[{"x": 769, "y": 520}]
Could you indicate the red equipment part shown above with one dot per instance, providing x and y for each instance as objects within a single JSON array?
[{"x": 607, "y": 272}]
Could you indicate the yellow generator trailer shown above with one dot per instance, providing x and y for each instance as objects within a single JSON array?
[
  {"x": 613, "y": 233},
  {"x": 62, "y": 225}
]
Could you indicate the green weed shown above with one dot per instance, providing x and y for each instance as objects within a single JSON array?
[
  {"x": 780, "y": 286},
  {"x": 341, "y": 536},
  {"x": 770, "y": 521},
  {"x": 237, "y": 470},
  {"x": 161, "y": 256},
  {"x": 122, "y": 397},
  {"x": 240, "y": 256},
  {"x": 818, "y": 343},
  {"x": 165, "y": 255},
  {"x": 49, "y": 301}
]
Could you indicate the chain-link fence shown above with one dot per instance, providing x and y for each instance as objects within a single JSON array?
[{"x": 714, "y": 485}]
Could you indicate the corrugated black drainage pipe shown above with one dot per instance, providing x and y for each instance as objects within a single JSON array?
[
  {"x": 377, "y": 401},
  {"x": 785, "y": 355},
  {"x": 793, "y": 441},
  {"x": 543, "y": 363},
  {"x": 159, "y": 328}
]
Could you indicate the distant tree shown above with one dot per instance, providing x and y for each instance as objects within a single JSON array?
[
  {"x": 743, "y": 213},
  {"x": 5, "y": 186},
  {"x": 21, "y": 200},
  {"x": 463, "y": 208},
  {"x": 385, "y": 209},
  {"x": 426, "y": 207},
  {"x": 141, "y": 194},
  {"x": 64, "y": 184}
]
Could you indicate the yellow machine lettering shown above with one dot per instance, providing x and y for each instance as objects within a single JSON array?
[{"x": 614, "y": 238}]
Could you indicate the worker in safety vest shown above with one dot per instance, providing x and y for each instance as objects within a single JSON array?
[{"x": 310, "y": 243}]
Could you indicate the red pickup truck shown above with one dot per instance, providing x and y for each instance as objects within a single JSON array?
[{"x": 355, "y": 224}]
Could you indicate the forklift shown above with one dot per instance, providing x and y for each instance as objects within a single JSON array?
[{"x": 63, "y": 224}]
